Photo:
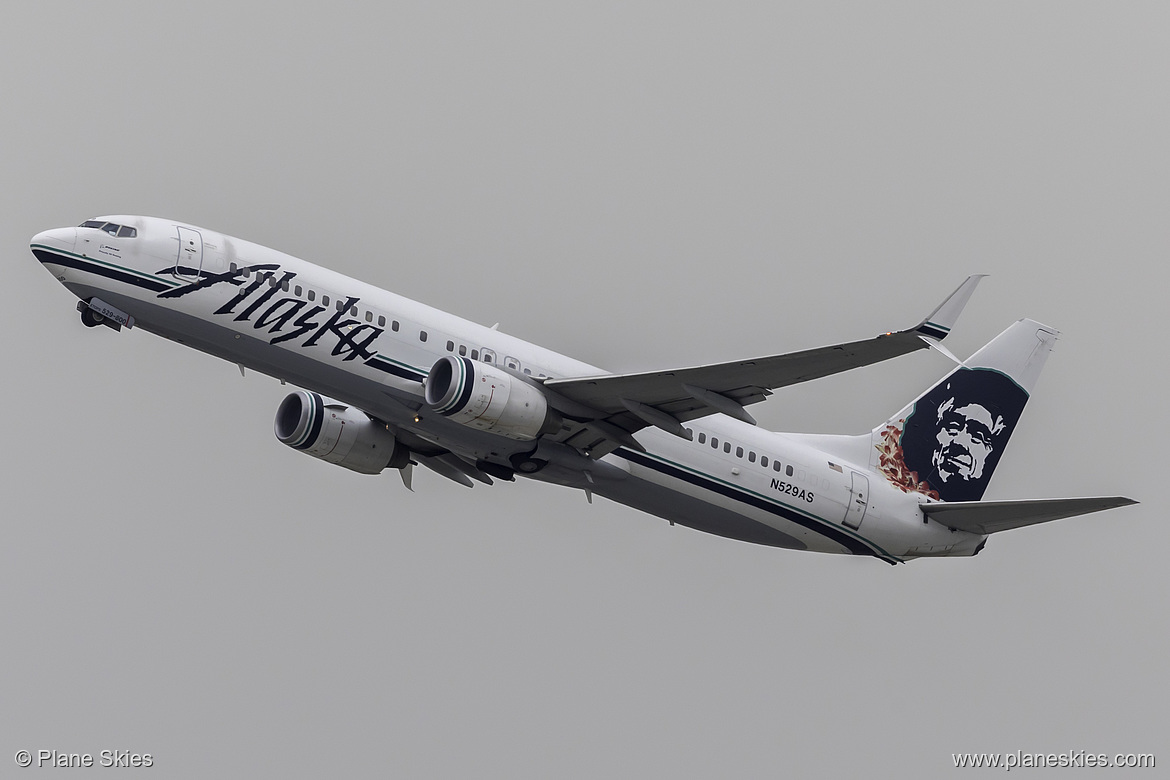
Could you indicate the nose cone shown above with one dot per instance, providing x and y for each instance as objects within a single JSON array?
[{"x": 57, "y": 238}]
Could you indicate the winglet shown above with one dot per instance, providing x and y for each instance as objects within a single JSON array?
[{"x": 940, "y": 321}]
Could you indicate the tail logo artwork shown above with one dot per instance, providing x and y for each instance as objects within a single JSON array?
[{"x": 948, "y": 446}]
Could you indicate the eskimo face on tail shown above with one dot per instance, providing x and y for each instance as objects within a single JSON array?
[{"x": 951, "y": 442}]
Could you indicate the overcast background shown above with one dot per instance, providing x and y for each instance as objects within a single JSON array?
[{"x": 640, "y": 185}]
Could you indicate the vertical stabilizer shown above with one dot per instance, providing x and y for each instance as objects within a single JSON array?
[{"x": 947, "y": 443}]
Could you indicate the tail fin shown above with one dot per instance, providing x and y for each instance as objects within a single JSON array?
[{"x": 946, "y": 444}]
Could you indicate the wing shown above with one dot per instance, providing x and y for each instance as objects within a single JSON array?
[
  {"x": 439, "y": 460},
  {"x": 989, "y": 517},
  {"x": 620, "y": 404}
]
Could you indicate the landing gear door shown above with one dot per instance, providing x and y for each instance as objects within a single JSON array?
[
  {"x": 189, "y": 261},
  {"x": 858, "y": 501}
]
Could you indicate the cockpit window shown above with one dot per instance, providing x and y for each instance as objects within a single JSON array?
[{"x": 121, "y": 231}]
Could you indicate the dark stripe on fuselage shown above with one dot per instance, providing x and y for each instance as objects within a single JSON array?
[
  {"x": 853, "y": 545},
  {"x": 80, "y": 264},
  {"x": 396, "y": 370}
]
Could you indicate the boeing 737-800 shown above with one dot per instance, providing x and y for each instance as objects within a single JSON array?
[{"x": 391, "y": 383}]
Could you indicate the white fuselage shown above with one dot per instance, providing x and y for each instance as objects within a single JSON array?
[{"x": 280, "y": 315}]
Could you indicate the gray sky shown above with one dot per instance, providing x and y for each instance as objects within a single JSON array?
[{"x": 640, "y": 186}]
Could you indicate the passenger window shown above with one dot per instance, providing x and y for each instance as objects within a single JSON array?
[
  {"x": 739, "y": 452},
  {"x": 394, "y": 326},
  {"x": 702, "y": 438},
  {"x": 312, "y": 295},
  {"x": 527, "y": 372},
  {"x": 475, "y": 354},
  {"x": 284, "y": 285},
  {"x": 127, "y": 232},
  {"x": 232, "y": 268},
  {"x": 714, "y": 443},
  {"x": 340, "y": 305},
  {"x": 727, "y": 446},
  {"x": 751, "y": 457},
  {"x": 353, "y": 311},
  {"x": 788, "y": 471},
  {"x": 369, "y": 316},
  {"x": 422, "y": 335},
  {"x": 764, "y": 461},
  {"x": 775, "y": 465},
  {"x": 324, "y": 300},
  {"x": 512, "y": 363},
  {"x": 381, "y": 321},
  {"x": 450, "y": 346},
  {"x": 462, "y": 350},
  {"x": 297, "y": 291}
]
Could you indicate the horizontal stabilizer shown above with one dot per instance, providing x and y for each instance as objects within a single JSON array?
[{"x": 989, "y": 517}]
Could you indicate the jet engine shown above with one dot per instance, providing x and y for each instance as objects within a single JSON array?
[
  {"x": 337, "y": 433},
  {"x": 484, "y": 396}
]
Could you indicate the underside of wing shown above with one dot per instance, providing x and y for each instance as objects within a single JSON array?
[
  {"x": 610, "y": 407},
  {"x": 743, "y": 381},
  {"x": 989, "y": 517}
]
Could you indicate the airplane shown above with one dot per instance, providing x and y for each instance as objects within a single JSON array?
[{"x": 390, "y": 383}]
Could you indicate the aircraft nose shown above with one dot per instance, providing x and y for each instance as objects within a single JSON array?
[{"x": 57, "y": 238}]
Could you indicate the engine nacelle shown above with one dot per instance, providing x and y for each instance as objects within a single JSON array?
[
  {"x": 337, "y": 433},
  {"x": 483, "y": 396}
]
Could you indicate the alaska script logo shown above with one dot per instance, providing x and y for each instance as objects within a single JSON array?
[{"x": 286, "y": 318}]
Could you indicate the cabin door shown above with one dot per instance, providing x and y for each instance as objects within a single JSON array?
[
  {"x": 858, "y": 500},
  {"x": 189, "y": 261}
]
